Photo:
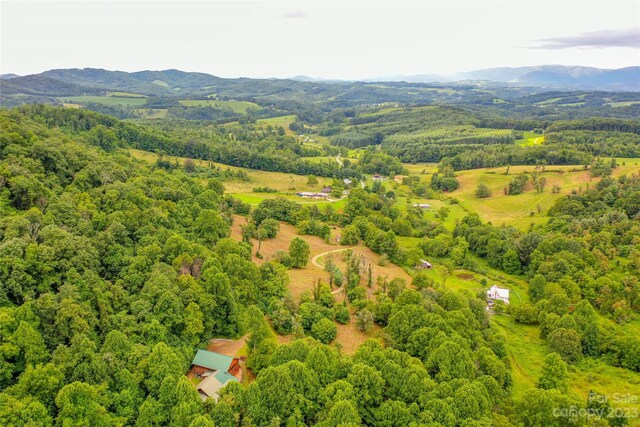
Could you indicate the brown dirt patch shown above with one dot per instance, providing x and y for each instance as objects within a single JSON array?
[
  {"x": 349, "y": 338},
  {"x": 465, "y": 276},
  {"x": 302, "y": 279},
  {"x": 231, "y": 348}
]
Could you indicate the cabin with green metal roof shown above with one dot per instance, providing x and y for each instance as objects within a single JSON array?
[{"x": 215, "y": 370}]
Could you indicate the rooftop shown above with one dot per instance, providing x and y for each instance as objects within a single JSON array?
[{"x": 211, "y": 360}]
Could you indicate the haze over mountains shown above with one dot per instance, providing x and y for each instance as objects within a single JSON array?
[
  {"x": 89, "y": 80},
  {"x": 552, "y": 76}
]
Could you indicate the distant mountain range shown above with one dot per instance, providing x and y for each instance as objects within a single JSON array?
[
  {"x": 53, "y": 85},
  {"x": 548, "y": 76}
]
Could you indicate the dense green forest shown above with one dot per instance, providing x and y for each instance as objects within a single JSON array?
[{"x": 115, "y": 272}]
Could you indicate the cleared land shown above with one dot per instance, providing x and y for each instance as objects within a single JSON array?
[
  {"x": 152, "y": 113},
  {"x": 237, "y": 106},
  {"x": 303, "y": 279},
  {"x": 127, "y": 94},
  {"x": 107, "y": 100},
  {"x": 517, "y": 210},
  {"x": 286, "y": 184},
  {"x": 623, "y": 103},
  {"x": 530, "y": 138},
  {"x": 282, "y": 121}
]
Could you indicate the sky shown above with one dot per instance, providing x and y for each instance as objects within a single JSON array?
[{"x": 328, "y": 39}]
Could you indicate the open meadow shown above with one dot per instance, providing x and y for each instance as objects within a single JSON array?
[
  {"x": 107, "y": 100},
  {"x": 519, "y": 210},
  {"x": 302, "y": 280},
  {"x": 237, "y": 106}
]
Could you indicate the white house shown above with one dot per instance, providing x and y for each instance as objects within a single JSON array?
[
  {"x": 496, "y": 293},
  {"x": 424, "y": 264}
]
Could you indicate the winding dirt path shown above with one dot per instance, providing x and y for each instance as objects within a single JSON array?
[{"x": 314, "y": 261}]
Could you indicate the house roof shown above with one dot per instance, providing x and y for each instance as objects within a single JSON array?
[
  {"x": 500, "y": 292},
  {"x": 211, "y": 360},
  {"x": 224, "y": 377},
  {"x": 210, "y": 386}
]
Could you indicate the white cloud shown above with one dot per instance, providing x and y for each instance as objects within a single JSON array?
[
  {"x": 629, "y": 37},
  {"x": 326, "y": 39}
]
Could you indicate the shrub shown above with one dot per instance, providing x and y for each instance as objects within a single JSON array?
[
  {"x": 422, "y": 281},
  {"x": 324, "y": 330},
  {"x": 282, "y": 321},
  {"x": 364, "y": 320},
  {"x": 299, "y": 252},
  {"x": 341, "y": 314},
  {"x": 269, "y": 228},
  {"x": 482, "y": 191},
  {"x": 565, "y": 342},
  {"x": 524, "y": 313}
]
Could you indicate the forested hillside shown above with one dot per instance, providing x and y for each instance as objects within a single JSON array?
[{"x": 114, "y": 272}]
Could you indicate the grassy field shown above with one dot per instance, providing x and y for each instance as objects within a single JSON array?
[
  {"x": 530, "y": 138},
  {"x": 526, "y": 353},
  {"x": 283, "y": 121},
  {"x": 107, "y": 100},
  {"x": 517, "y": 210},
  {"x": 623, "y": 103},
  {"x": 525, "y": 349},
  {"x": 126, "y": 94},
  {"x": 349, "y": 338},
  {"x": 152, "y": 113},
  {"x": 286, "y": 184},
  {"x": 237, "y": 106}
]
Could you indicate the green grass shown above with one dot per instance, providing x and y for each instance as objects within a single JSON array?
[
  {"x": 254, "y": 199},
  {"x": 237, "y": 106},
  {"x": 320, "y": 159},
  {"x": 126, "y": 95},
  {"x": 549, "y": 101},
  {"x": 283, "y": 121},
  {"x": 107, "y": 100},
  {"x": 516, "y": 210},
  {"x": 286, "y": 184},
  {"x": 280, "y": 121},
  {"x": 623, "y": 103},
  {"x": 526, "y": 352},
  {"x": 530, "y": 138},
  {"x": 152, "y": 113}
]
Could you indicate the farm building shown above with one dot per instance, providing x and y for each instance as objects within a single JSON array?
[
  {"x": 496, "y": 293},
  {"x": 311, "y": 195},
  {"x": 326, "y": 190},
  {"x": 422, "y": 205},
  {"x": 216, "y": 370},
  {"x": 378, "y": 177},
  {"x": 424, "y": 264},
  {"x": 347, "y": 181}
]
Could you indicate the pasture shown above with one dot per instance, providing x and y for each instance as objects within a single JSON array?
[
  {"x": 152, "y": 113},
  {"x": 107, "y": 100},
  {"x": 530, "y": 138},
  {"x": 280, "y": 121},
  {"x": 302, "y": 280},
  {"x": 516, "y": 210},
  {"x": 237, "y": 106},
  {"x": 623, "y": 103},
  {"x": 126, "y": 95},
  {"x": 286, "y": 184}
]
